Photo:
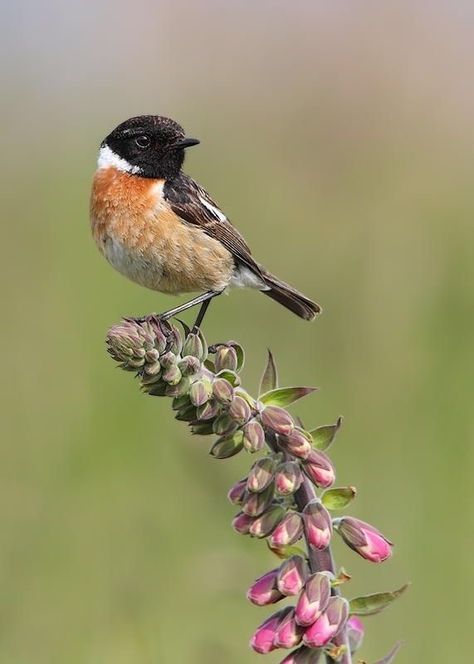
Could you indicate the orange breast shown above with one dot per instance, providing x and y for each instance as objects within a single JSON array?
[{"x": 143, "y": 239}]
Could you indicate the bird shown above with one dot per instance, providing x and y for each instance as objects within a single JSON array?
[{"x": 161, "y": 229}]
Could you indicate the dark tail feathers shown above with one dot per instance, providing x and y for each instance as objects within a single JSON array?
[{"x": 290, "y": 298}]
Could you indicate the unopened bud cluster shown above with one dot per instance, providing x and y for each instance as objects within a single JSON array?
[{"x": 206, "y": 392}]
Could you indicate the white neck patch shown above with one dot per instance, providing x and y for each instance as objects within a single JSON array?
[{"x": 108, "y": 158}]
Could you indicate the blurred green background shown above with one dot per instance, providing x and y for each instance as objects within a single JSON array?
[{"x": 339, "y": 138}]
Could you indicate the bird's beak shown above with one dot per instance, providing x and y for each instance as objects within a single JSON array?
[{"x": 185, "y": 143}]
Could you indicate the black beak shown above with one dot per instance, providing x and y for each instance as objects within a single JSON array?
[{"x": 185, "y": 143}]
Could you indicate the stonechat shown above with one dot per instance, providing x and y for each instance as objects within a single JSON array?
[{"x": 159, "y": 228}]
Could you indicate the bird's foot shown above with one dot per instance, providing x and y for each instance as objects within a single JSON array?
[{"x": 155, "y": 320}]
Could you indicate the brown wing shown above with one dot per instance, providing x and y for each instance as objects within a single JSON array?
[{"x": 194, "y": 206}]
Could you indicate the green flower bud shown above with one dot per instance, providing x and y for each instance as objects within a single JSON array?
[
  {"x": 227, "y": 447},
  {"x": 180, "y": 388},
  {"x": 208, "y": 410},
  {"x": 231, "y": 376},
  {"x": 136, "y": 363},
  {"x": 254, "y": 436},
  {"x": 202, "y": 428},
  {"x": 168, "y": 360},
  {"x": 193, "y": 346},
  {"x": 200, "y": 392},
  {"x": 239, "y": 410},
  {"x": 226, "y": 358},
  {"x": 152, "y": 355},
  {"x": 189, "y": 365},
  {"x": 181, "y": 401},
  {"x": 171, "y": 375},
  {"x": 223, "y": 390},
  {"x": 266, "y": 523},
  {"x": 261, "y": 474},
  {"x": 153, "y": 369},
  {"x": 224, "y": 424},
  {"x": 186, "y": 413},
  {"x": 255, "y": 504}
]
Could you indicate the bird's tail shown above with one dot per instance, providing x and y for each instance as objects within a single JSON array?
[{"x": 289, "y": 297}]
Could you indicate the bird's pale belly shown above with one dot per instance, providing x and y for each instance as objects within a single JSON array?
[{"x": 145, "y": 241}]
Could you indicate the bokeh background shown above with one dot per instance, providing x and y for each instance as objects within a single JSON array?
[{"x": 339, "y": 137}]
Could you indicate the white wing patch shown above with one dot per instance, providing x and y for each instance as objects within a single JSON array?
[
  {"x": 212, "y": 208},
  {"x": 108, "y": 158}
]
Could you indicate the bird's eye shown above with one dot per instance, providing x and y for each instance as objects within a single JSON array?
[{"x": 143, "y": 141}]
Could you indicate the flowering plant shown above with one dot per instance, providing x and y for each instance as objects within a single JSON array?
[{"x": 287, "y": 497}]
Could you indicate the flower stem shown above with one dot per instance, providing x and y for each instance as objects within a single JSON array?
[{"x": 319, "y": 561}]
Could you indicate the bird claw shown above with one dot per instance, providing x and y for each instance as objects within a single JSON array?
[{"x": 155, "y": 320}]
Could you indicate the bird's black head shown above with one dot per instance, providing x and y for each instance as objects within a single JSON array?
[{"x": 150, "y": 146}]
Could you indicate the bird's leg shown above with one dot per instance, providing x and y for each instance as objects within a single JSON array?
[
  {"x": 201, "y": 314},
  {"x": 203, "y": 299}
]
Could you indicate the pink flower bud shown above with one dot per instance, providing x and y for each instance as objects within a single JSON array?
[
  {"x": 288, "y": 531},
  {"x": 223, "y": 390},
  {"x": 288, "y": 633},
  {"x": 329, "y": 624},
  {"x": 239, "y": 410},
  {"x": 261, "y": 474},
  {"x": 264, "y": 590},
  {"x": 237, "y": 492},
  {"x": 207, "y": 411},
  {"x": 254, "y": 436},
  {"x": 255, "y": 504},
  {"x": 189, "y": 365},
  {"x": 319, "y": 469},
  {"x": 199, "y": 392},
  {"x": 288, "y": 478},
  {"x": 226, "y": 358},
  {"x": 262, "y": 640},
  {"x": 318, "y": 525},
  {"x": 313, "y": 600},
  {"x": 266, "y": 522},
  {"x": 241, "y": 523},
  {"x": 363, "y": 538},
  {"x": 355, "y": 633},
  {"x": 277, "y": 419},
  {"x": 298, "y": 443},
  {"x": 292, "y": 575}
]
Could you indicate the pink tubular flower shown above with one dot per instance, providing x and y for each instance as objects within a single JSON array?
[
  {"x": 363, "y": 538},
  {"x": 319, "y": 469},
  {"x": 277, "y": 419},
  {"x": 237, "y": 491},
  {"x": 355, "y": 633},
  {"x": 254, "y": 436},
  {"x": 288, "y": 478},
  {"x": 313, "y": 600},
  {"x": 298, "y": 443},
  {"x": 318, "y": 524},
  {"x": 328, "y": 625},
  {"x": 288, "y": 531},
  {"x": 241, "y": 523},
  {"x": 292, "y": 575},
  {"x": 288, "y": 634},
  {"x": 264, "y": 590},
  {"x": 263, "y": 639}
]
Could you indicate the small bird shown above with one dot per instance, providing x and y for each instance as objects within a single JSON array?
[{"x": 158, "y": 227}]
